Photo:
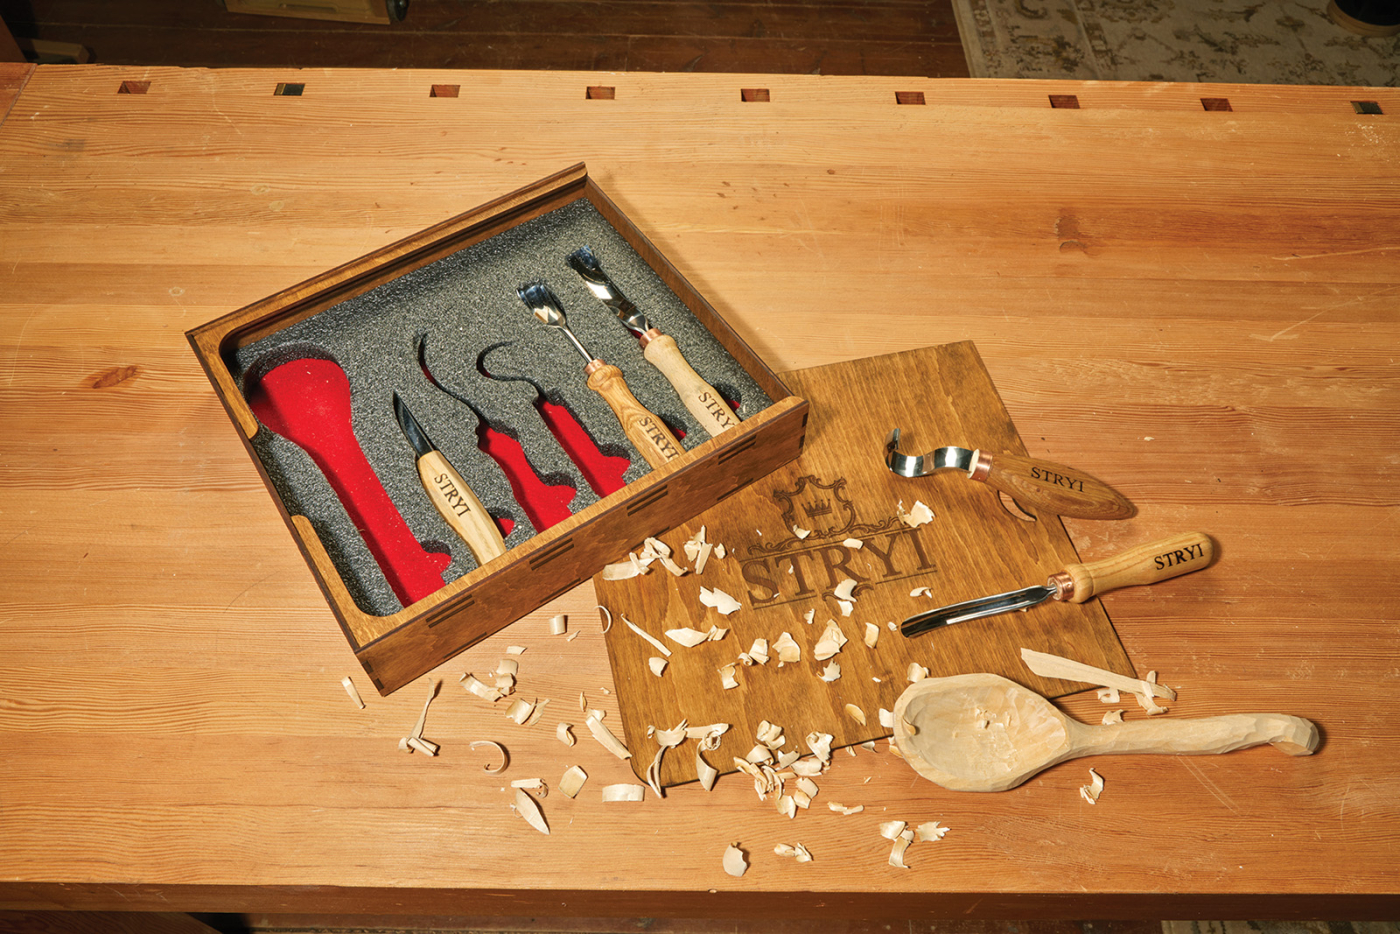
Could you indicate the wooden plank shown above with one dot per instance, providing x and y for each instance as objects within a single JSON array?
[
  {"x": 107, "y": 922},
  {"x": 13, "y": 77},
  {"x": 786, "y": 537},
  {"x": 1197, "y": 305}
]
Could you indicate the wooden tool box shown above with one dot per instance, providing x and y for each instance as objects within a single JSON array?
[{"x": 397, "y": 647}]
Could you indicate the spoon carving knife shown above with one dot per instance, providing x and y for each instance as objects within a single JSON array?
[
  {"x": 449, "y": 493},
  {"x": 648, "y": 434},
  {"x": 1143, "y": 564},
  {"x": 1040, "y": 484},
  {"x": 660, "y": 350}
]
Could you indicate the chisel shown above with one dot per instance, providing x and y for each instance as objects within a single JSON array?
[{"x": 1143, "y": 564}]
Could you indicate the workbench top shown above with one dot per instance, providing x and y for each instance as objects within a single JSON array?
[{"x": 1197, "y": 305}]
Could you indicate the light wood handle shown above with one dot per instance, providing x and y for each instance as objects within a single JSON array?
[
  {"x": 708, "y": 406},
  {"x": 646, "y": 432},
  {"x": 1056, "y": 488},
  {"x": 457, "y": 504},
  {"x": 1204, "y": 735},
  {"x": 1144, "y": 564}
]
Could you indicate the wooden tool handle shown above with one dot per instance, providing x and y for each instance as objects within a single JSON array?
[
  {"x": 1203, "y": 735},
  {"x": 646, "y": 432},
  {"x": 1144, "y": 564},
  {"x": 708, "y": 406},
  {"x": 1056, "y": 488},
  {"x": 459, "y": 506}
]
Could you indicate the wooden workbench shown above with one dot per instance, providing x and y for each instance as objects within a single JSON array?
[{"x": 1199, "y": 306}]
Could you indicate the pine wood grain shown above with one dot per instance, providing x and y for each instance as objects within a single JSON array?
[{"x": 1198, "y": 306}]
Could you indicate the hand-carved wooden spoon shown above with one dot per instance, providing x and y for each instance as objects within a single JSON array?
[
  {"x": 307, "y": 401},
  {"x": 981, "y": 732}
]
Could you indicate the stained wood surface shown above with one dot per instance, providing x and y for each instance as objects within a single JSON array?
[
  {"x": 1197, "y": 306},
  {"x": 786, "y": 540}
]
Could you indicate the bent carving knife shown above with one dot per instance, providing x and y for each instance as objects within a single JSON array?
[
  {"x": 660, "y": 350},
  {"x": 450, "y": 495},
  {"x": 1143, "y": 564},
  {"x": 1040, "y": 484}
]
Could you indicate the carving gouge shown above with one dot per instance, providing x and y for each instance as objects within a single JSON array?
[
  {"x": 660, "y": 350},
  {"x": 449, "y": 493},
  {"x": 648, "y": 434},
  {"x": 1143, "y": 564},
  {"x": 1040, "y": 484}
]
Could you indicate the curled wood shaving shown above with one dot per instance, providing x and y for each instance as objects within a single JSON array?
[
  {"x": 832, "y": 672},
  {"x": 794, "y": 849},
  {"x": 537, "y": 713},
  {"x": 891, "y": 829},
  {"x": 1108, "y": 695},
  {"x": 414, "y": 740},
  {"x": 807, "y": 787},
  {"x": 705, "y": 772},
  {"x": 1055, "y": 666},
  {"x": 422, "y": 745},
  {"x": 769, "y": 734},
  {"x": 845, "y": 589},
  {"x": 508, "y": 666},
  {"x": 672, "y": 737},
  {"x": 735, "y": 862},
  {"x": 855, "y": 713},
  {"x": 760, "y": 754},
  {"x": 529, "y": 809},
  {"x": 707, "y": 731},
  {"x": 847, "y": 607},
  {"x": 505, "y": 756},
  {"x": 757, "y": 653},
  {"x": 872, "y": 634},
  {"x": 692, "y": 544},
  {"x": 842, "y": 809},
  {"x": 788, "y": 650},
  {"x": 854, "y": 543},
  {"x": 929, "y": 831},
  {"x": 919, "y": 515},
  {"x": 573, "y": 635},
  {"x": 900, "y": 845},
  {"x": 1091, "y": 791},
  {"x": 1112, "y": 717},
  {"x": 916, "y": 672},
  {"x": 608, "y": 614},
  {"x": 624, "y": 792},
  {"x": 801, "y": 799},
  {"x": 657, "y": 664},
  {"x": 558, "y": 625},
  {"x": 820, "y": 744},
  {"x": 806, "y": 767},
  {"x": 801, "y": 533},
  {"x": 830, "y": 643},
  {"x": 669, "y": 564},
  {"x": 687, "y": 637},
  {"x": 520, "y": 711},
  {"x": 657, "y": 643},
  {"x": 564, "y": 733},
  {"x": 572, "y": 781},
  {"x": 921, "y": 592},
  {"x": 718, "y": 600},
  {"x": 887, "y": 718},
  {"x": 352, "y": 691},
  {"x": 788, "y": 758},
  {"x": 1144, "y": 697},
  {"x": 605, "y": 736},
  {"x": 624, "y": 570},
  {"x": 726, "y": 676},
  {"x": 515, "y": 650},
  {"x": 534, "y": 784},
  {"x": 787, "y": 806}
]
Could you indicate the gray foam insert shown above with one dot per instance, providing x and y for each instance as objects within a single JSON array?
[{"x": 465, "y": 310}]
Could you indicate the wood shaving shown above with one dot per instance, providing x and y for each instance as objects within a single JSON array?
[
  {"x": 760, "y": 754},
  {"x": 807, "y": 767},
  {"x": 788, "y": 758},
  {"x": 1091, "y": 791},
  {"x": 508, "y": 666},
  {"x": 720, "y": 552},
  {"x": 657, "y": 643},
  {"x": 1055, "y": 666},
  {"x": 520, "y": 711},
  {"x": 414, "y": 740},
  {"x": 534, "y": 784},
  {"x": 900, "y": 846},
  {"x": 847, "y": 607},
  {"x": 702, "y": 557},
  {"x": 719, "y": 600},
  {"x": 734, "y": 861},
  {"x": 854, "y": 543},
  {"x": 1112, "y": 717},
  {"x": 608, "y": 613},
  {"x": 558, "y": 625},
  {"x": 832, "y": 672},
  {"x": 787, "y": 806},
  {"x": 657, "y": 664},
  {"x": 657, "y": 546},
  {"x": 515, "y": 650},
  {"x": 916, "y": 672},
  {"x": 820, "y": 744},
  {"x": 842, "y": 809},
  {"x": 529, "y": 809},
  {"x": 726, "y": 676},
  {"x": 868, "y": 744},
  {"x": 538, "y": 712},
  {"x": 855, "y": 713},
  {"x": 845, "y": 589},
  {"x": 809, "y": 616},
  {"x": 572, "y": 781},
  {"x": 929, "y": 831},
  {"x": 582, "y": 702},
  {"x": 673, "y": 737},
  {"x": 692, "y": 545},
  {"x": 505, "y": 756},
  {"x": 794, "y": 849},
  {"x": 801, "y": 533},
  {"x": 422, "y": 745},
  {"x": 1144, "y": 697},
  {"x": 921, "y": 592},
  {"x": 573, "y": 635},
  {"x": 624, "y": 792},
  {"x": 872, "y": 634},
  {"x": 891, "y": 829},
  {"x": 624, "y": 570},
  {"x": 705, "y": 772},
  {"x": 352, "y": 691},
  {"x": 672, "y": 566},
  {"x": 686, "y": 637},
  {"x": 830, "y": 643},
  {"x": 709, "y": 730},
  {"x": 801, "y": 799},
  {"x": 769, "y": 734},
  {"x": 1108, "y": 695},
  {"x": 480, "y": 689},
  {"x": 788, "y": 650},
  {"x": 564, "y": 733},
  {"x": 919, "y": 515},
  {"x": 605, "y": 736},
  {"x": 757, "y": 653},
  {"x": 887, "y": 718},
  {"x": 807, "y": 787}
]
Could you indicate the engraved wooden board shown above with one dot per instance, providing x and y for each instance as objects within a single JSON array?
[{"x": 840, "y": 489}]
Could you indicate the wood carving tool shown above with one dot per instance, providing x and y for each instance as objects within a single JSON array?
[
  {"x": 1040, "y": 484},
  {"x": 648, "y": 434},
  {"x": 660, "y": 350},
  {"x": 307, "y": 401},
  {"x": 1143, "y": 564},
  {"x": 982, "y": 732},
  {"x": 450, "y": 494}
]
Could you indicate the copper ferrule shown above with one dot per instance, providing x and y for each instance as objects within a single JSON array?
[
  {"x": 594, "y": 366},
  {"x": 1062, "y": 584},
  {"x": 981, "y": 466},
  {"x": 647, "y": 336}
]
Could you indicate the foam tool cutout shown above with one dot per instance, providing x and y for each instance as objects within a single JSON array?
[{"x": 307, "y": 401}]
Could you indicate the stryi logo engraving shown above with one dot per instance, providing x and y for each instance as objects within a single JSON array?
[
  {"x": 1179, "y": 556},
  {"x": 455, "y": 500},
  {"x": 1056, "y": 479}
]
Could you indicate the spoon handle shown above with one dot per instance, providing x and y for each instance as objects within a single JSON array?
[
  {"x": 1200, "y": 735},
  {"x": 1144, "y": 564}
]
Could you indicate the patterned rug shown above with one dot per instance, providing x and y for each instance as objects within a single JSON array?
[{"x": 1238, "y": 41}]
